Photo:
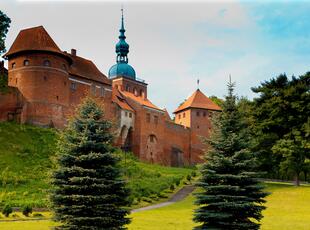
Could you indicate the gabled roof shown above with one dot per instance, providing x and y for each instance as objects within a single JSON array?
[
  {"x": 140, "y": 100},
  {"x": 33, "y": 39},
  {"x": 86, "y": 69},
  {"x": 120, "y": 100},
  {"x": 198, "y": 100}
]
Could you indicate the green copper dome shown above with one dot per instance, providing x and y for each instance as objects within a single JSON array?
[{"x": 122, "y": 68}]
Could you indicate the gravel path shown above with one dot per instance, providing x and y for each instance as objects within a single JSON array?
[{"x": 180, "y": 195}]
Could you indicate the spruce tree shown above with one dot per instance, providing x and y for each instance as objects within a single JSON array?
[
  {"x": 231, "y": 197},
  {"x": 89, "y": 192}
]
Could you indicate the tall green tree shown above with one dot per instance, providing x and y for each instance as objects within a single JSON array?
[
  {"x": 4, "y": 28},
  {"x": 89, "y": 190},
  {"x": 230, "y": 197},
  {"x": 281, "y": 114}
]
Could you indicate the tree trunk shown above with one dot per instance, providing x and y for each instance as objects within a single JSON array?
[{"x": 296, "y": 180}]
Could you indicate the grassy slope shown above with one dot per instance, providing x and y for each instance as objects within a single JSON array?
[
  {"x": 26, "y": 154},
  {"x": 287, "y": 208}
]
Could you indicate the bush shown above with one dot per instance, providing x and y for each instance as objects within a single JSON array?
[
  {"x": 194, "y": 174},
  {"x": 37, "y": 215},
  {"x": 7, "y": 210},
  {"x": 27, "y": 210},
  {"x": 172, "y": 187},
  {"x": 188, "y": 177},
  {"x": 177, "y": 183}
]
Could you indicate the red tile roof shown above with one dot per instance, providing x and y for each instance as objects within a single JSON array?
[
  {"x": 140, "y": 100},
  {"x": 33, "y": 39},
  {"x": 198, "y": 100},
  {"x": 120, "y": 100},
  {"x": 86, "y": 69}
]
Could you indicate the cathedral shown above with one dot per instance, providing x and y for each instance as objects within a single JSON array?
[{"x": 45, "y": 84}]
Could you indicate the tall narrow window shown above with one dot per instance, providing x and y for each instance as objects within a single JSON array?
[
  {"x": 26, "y": 62},
  {"x": 198, "y": 113},
  {"x": 73, "y": 86},
  {"x": 148, "y": 117},
  {"x": 183, "y": 114},
  {"x": 47, "y": 63},
  {"x": 13, "y": 65},
  {"x": 93, "y": 89},
  {"x": 156, "y": 120},
  {"x": 102, "y": 91}
]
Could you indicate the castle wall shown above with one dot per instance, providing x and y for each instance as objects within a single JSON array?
[{"x": 10, "y": 105}]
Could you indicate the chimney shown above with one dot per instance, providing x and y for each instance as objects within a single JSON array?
[{"x": 73, "y": 52}]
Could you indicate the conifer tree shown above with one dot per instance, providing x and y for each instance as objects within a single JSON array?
[
  {"x": 230, "y": 197},
  {"x": 89, "y": 190}
]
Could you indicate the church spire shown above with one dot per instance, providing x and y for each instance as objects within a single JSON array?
[{"x": 122, "y": 47}]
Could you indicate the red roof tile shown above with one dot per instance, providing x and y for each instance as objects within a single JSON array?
[
  {"x": 33, "y": 39},
  {"x": 140, "y": 100},
  {"x": 86, "y": 69},
  {"x": 198, "y": 100},
  {"x": 120, "y": 100}
]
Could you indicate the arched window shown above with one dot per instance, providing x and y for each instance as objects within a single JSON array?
[
  {"x": 135, "y": 91},
  {"x": 127, "y": 88},
  {"x": 26, "y": 62},
  {"x": 47, "y": 63},
  {"x": 64, "y": 67},
  {"x": 13, "y": 65},
  {"x": 141, "y": 93}
]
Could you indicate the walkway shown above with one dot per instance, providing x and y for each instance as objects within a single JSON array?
[{"x": 180, "y": 195}]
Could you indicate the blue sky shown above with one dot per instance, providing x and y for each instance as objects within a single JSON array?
[{"x": 172, "y": 44}]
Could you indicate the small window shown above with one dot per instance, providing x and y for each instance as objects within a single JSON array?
[
  {"x": 102, "y": 91},
  {"x": 152, "y": 138},
  {"x": 126, "y": 114},
  {"x": 148, "y": 117},
  {"x": 204, "y": 114},
  {"x": 183, "y": 114},
  {"x": 141, "y": 93},
  {"x": 179, "y": 116},
  {"x": 47, "y": 63},
  {"x": 13, "y": 65},
  {"x": 93, "y": 89},
  {"x": 45, "y": 78},
  {"x": 156, "y": 120},
  {"x": 64, "y": 67},
  {"x": 73, "y": 85},
  {"x": 130, "y": 115},
  {"x": 198, "y": 113},
  {"x": 57, "y": 98},
  {"x": 127, "y": 88},
  {"x": 197, "y": 126},
  {"x": 26, "y": 62}
]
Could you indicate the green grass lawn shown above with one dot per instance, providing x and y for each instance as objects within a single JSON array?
[
  {"x": 287, "y": 208},
  {"x": 27, "y": 154}
]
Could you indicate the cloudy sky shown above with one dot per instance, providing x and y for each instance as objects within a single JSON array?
[{"x": 173, "y": 44}]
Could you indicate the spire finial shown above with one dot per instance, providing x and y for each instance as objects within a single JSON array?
[
  {"x": 198, "y": 81},
  {"x": 122, "y": 9}
]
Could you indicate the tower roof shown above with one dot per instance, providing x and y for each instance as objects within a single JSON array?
[
  {"x": 122, "y": 68},
  {"x": 33, "y": 39},
  {"x": 198, "y": 100}
]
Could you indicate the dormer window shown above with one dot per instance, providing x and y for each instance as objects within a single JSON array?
[
  {"x": 47, "y": 63},
  {"x": 26, "y": 62}
]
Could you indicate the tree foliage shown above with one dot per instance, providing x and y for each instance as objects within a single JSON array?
[
  {"x": 4, "y": 28},
  {"x": 281, "y": 114},
  {"x": 89, "y": 190},
  {"x": 231, "y": 197}
]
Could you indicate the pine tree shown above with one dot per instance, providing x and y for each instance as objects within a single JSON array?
[
  {"x": 89, "y": 190},
  {"x": 230, "y": 197}
]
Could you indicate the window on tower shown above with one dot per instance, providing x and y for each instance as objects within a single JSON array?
[
  {"x": 26, "y": 62},
  {"x": 183, "y": 115},
  {"x": 148, "y": 118},
  {"x": 197, "y": 113},
  {"x": 73, "y": 86},
  {"x": 13, "y": 65},
  {"x": 46, "y": 63},
  {"x": 156, "y": 120}
]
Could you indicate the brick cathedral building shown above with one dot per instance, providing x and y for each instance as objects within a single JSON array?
[{"x": 45, "y": 84}]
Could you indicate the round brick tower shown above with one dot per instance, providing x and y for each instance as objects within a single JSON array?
[{"x": 39, "y": 69}]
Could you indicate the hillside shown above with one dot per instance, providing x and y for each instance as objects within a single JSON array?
[{"x": 26, "y": 160}]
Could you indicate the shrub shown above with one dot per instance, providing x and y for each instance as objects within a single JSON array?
[
  {"x": 177, "y": 183},
  {"x": 27, "y": 210},
  {"x": 37, "y": 214},
  {"x": 172, "y": 187},
  {"x": 194, "y": 174},
  {"x": 7, "y": 210},
  {"x": 188, "y": 177}
]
